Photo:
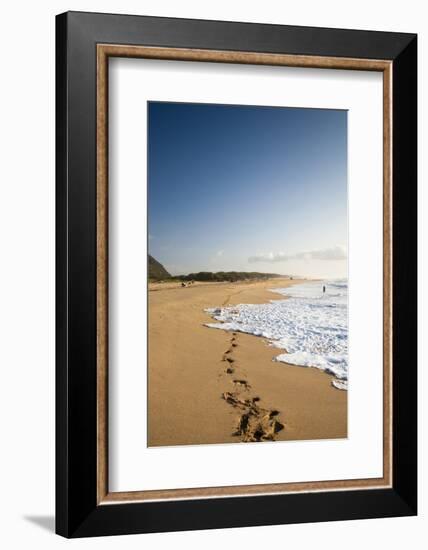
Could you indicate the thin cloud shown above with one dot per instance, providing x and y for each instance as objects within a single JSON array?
[{"x": 328, "y": 254}]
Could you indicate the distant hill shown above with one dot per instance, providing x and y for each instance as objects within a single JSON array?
[{"x": 157, "y": 270}]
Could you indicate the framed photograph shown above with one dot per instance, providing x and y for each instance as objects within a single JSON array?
[{"x": 236, "y": 274}]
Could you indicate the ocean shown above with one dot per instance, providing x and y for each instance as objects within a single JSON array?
[{"x": 311, "y": 327}]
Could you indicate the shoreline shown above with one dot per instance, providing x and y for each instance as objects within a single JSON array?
[
  {"x": 193, "y": 399},
  {"x": 265, "y": 321}
]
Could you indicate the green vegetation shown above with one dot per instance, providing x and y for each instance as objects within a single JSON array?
[
  {"x": 157, "y": 272},
  {"x": 229, "y": 276}
]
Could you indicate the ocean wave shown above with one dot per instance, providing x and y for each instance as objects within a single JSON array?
[{"x": 310, "y": 326}]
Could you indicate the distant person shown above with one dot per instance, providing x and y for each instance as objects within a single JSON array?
[{"x": 323, "y": 289}]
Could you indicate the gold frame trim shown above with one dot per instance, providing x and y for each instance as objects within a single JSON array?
[{"x": 104, "y": 51}]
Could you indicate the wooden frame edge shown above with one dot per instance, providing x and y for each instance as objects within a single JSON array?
[
  {"x": 104, "y": 51},
  {"x": 102, "y": 275}
]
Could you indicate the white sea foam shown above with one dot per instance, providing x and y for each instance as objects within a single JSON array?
[{"x": 311, "y": 326}]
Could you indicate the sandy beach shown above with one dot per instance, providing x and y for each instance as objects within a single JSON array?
[{"x": 213, "y": 386}]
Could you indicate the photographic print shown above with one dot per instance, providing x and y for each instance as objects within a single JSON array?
[
  {"x": 247, "y": 274},
  {"x": 206, "y": 232}
]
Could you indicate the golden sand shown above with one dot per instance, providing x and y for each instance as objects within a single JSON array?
[{"x": 212, "y": 386}]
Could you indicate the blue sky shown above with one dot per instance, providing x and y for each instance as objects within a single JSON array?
[{"x": 248, "y": 189}]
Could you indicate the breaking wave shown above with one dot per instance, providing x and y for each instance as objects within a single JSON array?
[{"x": 310, "y": 325}]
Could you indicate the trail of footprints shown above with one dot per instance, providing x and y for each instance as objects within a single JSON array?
[{"x": 255, "y": 423}]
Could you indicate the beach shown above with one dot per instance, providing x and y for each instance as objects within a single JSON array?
[{"x": 216, "y": 386}]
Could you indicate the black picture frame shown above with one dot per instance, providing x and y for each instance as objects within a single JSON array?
[{"x": 77, "y": 511}]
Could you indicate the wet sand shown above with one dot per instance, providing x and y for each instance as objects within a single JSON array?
[{"x": 213, "y": 386}]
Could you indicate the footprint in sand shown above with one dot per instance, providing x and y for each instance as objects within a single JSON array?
[
  {"x": 255, "y": 423},
  {"x": 242, "y": 384}
]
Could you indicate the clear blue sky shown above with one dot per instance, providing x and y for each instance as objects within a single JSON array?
[{"x": 247, "y": 189}]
